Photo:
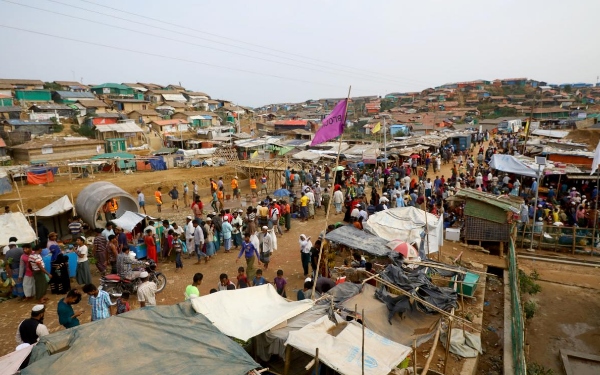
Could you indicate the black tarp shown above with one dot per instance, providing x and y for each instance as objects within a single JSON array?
[
  {"x": 170, "y": 339},
  {"x": 357, "y": 239}
]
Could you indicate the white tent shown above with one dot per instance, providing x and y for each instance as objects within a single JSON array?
[
  {"x": 10, "y": 363},
  {"x": 57, "y": 207},
  {"x": 406, "y": 224},
  {"x": 15, "y": 225},
  {"x": 55, "y": 216},
  {"x": 342, "y": 351},
  {"x": 245, "y": 313},
  {"x": 510, "y": 164}
]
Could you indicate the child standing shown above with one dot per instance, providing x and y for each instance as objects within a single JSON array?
[
  {"x": 122, "y": 303},
  {"x": 150, "y": 245},
  {"x": 176, "y": 246},
  {"x": 242, "y": 279},
  {"x": 280, "y": 284},
  {"x": 258, "y": 279}
]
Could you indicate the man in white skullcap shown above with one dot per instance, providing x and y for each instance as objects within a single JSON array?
[
  {"x": 146, "y": 291},
  {"x": 30, "y": 330}
]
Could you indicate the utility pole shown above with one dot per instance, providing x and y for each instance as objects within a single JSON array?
[
  {"x": 384, "y": 143},
  {"x": 529, "y": 126}
]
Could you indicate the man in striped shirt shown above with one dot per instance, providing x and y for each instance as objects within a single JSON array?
[{"x": 99, "y": 300}]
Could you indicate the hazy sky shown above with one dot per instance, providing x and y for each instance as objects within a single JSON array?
[{"x": 322, "y": 46}]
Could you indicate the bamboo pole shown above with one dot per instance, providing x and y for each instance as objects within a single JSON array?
[
  {"x": 432, "y": 351},
  {"x": 317, "y": 362},
  {"x": 432, "y": 265},
  {"x": 337, "y": 163},
  {"x": 37, "y": 237},
  {"x": 73, "y": 203},
  {"x": 363, "y": 341},
  {"x": 414, "y": 348},
  {"x": 288, "y": 355},
  {"x": 19, "y": 195}
]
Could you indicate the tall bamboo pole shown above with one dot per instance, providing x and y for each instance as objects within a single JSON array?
[{"x": 335, "y": 171}]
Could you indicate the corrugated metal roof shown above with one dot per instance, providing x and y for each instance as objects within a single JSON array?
[
  {"x": 174, "y": 98},
  {"x": 12, "y": 108},
  {"x": 28, "y": 122},
  {"x": 120, "y": 127},
  {"x": 78, "y": 95},
  {"x": 507, "y": 203}
]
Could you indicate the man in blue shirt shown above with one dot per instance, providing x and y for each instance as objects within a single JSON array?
[
  {"x": 250, "y": 252},
  {"x": 99, "y": 300}
]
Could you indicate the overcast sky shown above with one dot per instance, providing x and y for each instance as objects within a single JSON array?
[{"x": 315, "y": 49}]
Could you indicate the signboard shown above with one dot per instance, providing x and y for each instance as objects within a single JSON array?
[
  {"x": 106, "y": 90},
  {"x": 47, "y": 150}
]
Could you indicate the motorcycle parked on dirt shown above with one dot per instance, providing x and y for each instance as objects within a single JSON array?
[{"x": 114, "y": 285}]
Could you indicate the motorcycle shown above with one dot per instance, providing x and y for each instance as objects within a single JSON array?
[{"x": 114, "y": 285}]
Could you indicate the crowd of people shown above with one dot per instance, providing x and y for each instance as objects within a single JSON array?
[{"x": 353, "y": 193}]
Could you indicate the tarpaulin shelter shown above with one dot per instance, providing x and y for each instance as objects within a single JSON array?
[
  {"x": 15, "y": 225},
  {"x": 129, "y": 220},
  {"x": 10, "y": 363},
  {"x": 229, "y": 310},
  {"x": 55, "y": 216},
  {"x": 342, "y": 351},
  {"x": 415, "y": 325},
  {"x": 406, "y": 224},
  {"x": 171, "y": 339},
  {"x": 5, "y": 184},
  {"x": 357, "y": 239},
  {"x": 510, "y": 164},
  {"x": 40, "y": 179}
]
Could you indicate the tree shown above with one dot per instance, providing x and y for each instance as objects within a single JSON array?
[
  {"x": 568, "y": 89},
  {"x": 52, "y": 86}
]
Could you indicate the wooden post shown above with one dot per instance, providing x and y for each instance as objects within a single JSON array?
[
  {"x": 432, "y": 351},
  {"x": 447, "y": 344},
  {"x": 73, "y": 203},
  {"x": 574, "y": 240},
  {"x": 47, "y": 177},
  {"x": 70, "y": 178},
  {"x": 541, "y": 236},
  {"x": 363, "y": 341},
  {"x": 317, "y": 362},
  {"x": 19, "y": 195},
  {"x": 288, "y": 355},
  {"x": 37, "y": 238},
  {"x": 414, "y": 356},
  {"x": 501, "y": 249}
]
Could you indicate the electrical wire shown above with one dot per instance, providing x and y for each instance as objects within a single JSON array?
[
  {"x": 171, "y": 57},
  {"x": 185, "y": 42},
  {"x": 337, "y": 67}
]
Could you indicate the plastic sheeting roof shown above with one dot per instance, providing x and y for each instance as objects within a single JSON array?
[
  {"x": 229, "y": 310},
  {"x": 129, "y": 220},
  {"x": 510, "y": 164},
  {"x": 57, "y": 207},
  {"x": 154, "y": 340},
  {"x": 15, "y": 225},
  {"x": 342, "y": 352},
  {"x": 120, "y": 127},
  {"x": 354, "y": 238},
  {"x": 406, "y": 224}
]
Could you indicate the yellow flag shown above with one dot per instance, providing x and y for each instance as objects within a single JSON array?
[
  {"x": 376, "y": 128},
  {"x": 526, "y": 126},
  {"x": 254, "y": 154}
]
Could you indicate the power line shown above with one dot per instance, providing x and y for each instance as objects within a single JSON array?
[
  {"x": 170, "y": 57},
  {"x": 183, "y": 41},
  {"x": 337, "y": 65}
]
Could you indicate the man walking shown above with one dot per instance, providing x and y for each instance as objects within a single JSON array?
[
  {"x": 249, "y": 252},
  {"x": 146, "y": 291},
  {"x": 198, "y": 240},
  {"x": 174, "y": 194},
  {"x": 99, "y": 300}
]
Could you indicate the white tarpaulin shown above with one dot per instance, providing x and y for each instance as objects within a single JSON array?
[
  {"x": 551, "y": 133},
  {"x": 198, "y": 151},
  {"x": 342, "y": 352},
  {"x": 510, "y": 164},
  {"x": 129, "y": 220},
  {"x": 15, "y": 225},
  {"x": 10, "y": 363},
  {"x": 406, "y": 224},
  {"x": 57, "y": 207},
  {"x": 245, "y": 313}
]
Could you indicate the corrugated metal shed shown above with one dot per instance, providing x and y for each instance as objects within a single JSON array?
[
  {"x": 120, "y": 127},
  {"x": 77, "y": 95}
]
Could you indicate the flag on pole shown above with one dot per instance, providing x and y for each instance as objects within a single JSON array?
[
  {"x": 333, "y": 125},
  {"x": 596, "y": 159},
  {"x": 526, "y": 127},
  {"x": 376, "y": 128},
  {"x": 254, "y": 154}
]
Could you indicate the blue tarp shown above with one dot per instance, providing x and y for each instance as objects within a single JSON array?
[
  {"x": 42, "y": 170},
  {"x": 5, "y": 185},
  {"x": 158, "y": 163},
  {"x": 72, "y": 263}
]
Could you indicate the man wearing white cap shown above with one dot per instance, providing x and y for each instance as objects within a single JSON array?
[
  {"x": 189, "y": 235},
  {"x": 266, "y": 246},
  {"x": 146, "y": 291},
  {"x": 30, "y": 330}
]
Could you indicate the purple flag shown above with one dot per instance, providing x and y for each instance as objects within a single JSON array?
[{"x": 333, "y": 125}]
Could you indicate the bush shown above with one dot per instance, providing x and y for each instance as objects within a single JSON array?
[
  {"x": 529, "y": 308},
  {"x": 535, "y": 369},
  {"x": 528, "y": 284}
]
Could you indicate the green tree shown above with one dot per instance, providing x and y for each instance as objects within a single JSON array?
[
  {"x": 568, "y": 89},
  {"x": 52, "y": 86}
]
